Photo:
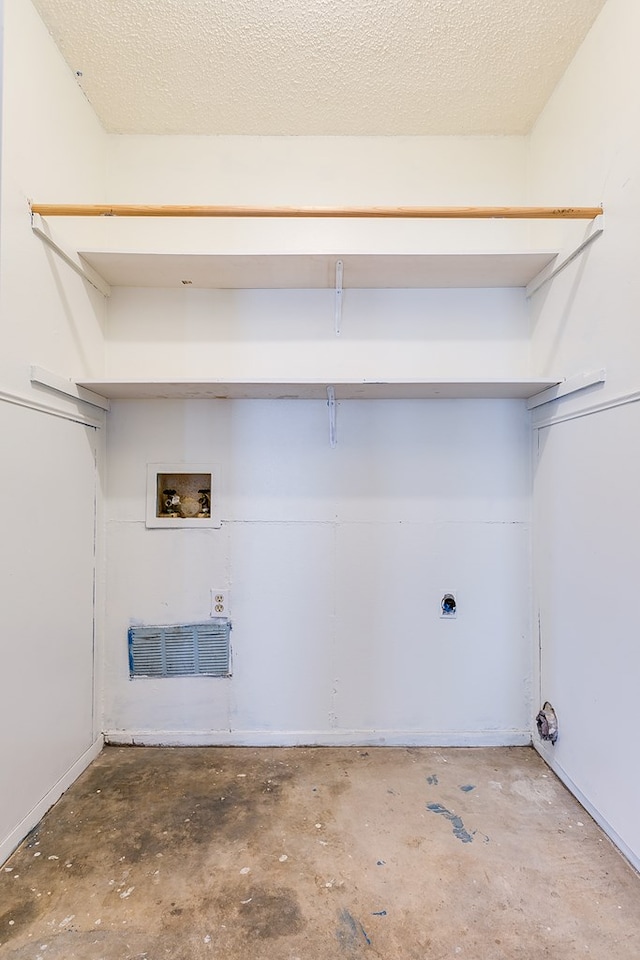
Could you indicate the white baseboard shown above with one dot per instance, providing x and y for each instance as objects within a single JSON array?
[
  {"x": 615, "y": 838},
  {"x": 15, "y": 838},
  {"x": 320, "y": 738}
]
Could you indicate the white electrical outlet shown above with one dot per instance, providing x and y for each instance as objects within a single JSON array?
[{"x": 219, "y": 603}]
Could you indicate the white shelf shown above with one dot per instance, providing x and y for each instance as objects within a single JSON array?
[
  {"x": 520, "y": 389},
  {"x": 313, "y": 271}
]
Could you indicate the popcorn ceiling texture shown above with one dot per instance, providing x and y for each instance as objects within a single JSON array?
[{"x": 318, "y": 67}]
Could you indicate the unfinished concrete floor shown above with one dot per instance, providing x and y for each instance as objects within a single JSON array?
[{"x": 318, "y": 853}]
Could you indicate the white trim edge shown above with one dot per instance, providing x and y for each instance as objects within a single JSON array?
[
  {"x": 616, "y": 839},
  {"x": 580, "y": 382},
  {"x": 588, "y": 411},
  {"x": 17, "y": 835},
  {"x": 70, "y": 389},
  {"x": 19, "y": 400},
  {"x": 297, "y": 738}
]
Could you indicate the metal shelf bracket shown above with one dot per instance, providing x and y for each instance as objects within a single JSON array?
[
  {"x": 331, "y": 403},
  {"x": 596, "y": 228},
  {"x": 338, "y": 305},
  {"x": 73, "y": 260}
]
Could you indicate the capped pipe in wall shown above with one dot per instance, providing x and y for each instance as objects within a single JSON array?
[{"x": 547, "y": 723}]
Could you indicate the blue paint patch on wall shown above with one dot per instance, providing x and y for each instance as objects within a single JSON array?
[
  {"x": 456, "y": 822},
  {"x": 130, "y": 643}
]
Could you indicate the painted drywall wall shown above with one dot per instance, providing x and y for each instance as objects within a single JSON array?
[
  {"x": 315, "y": 171},
  {"x": 336, "y": 560},
  {"x": 1, "y": 76},
  {"x": 52, "y": 146},
  {"x": 586, "y": 490},
  {"x": 587, "y": 143},
  {"x": 47, "y": 575},
  {"x": 290, "y": 335}
]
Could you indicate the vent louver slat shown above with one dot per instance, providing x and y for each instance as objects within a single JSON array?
[{"x": 185, "y": 650}]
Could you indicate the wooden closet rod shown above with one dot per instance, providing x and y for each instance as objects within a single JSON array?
[{"x": 392, "y": 213}]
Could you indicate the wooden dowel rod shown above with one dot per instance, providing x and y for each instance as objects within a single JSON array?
[{"x": 392, "y": 213}]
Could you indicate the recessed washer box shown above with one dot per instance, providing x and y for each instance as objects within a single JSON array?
[{"x": 183, "y": 495}]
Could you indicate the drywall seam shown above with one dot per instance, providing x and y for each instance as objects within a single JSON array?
[
  {"x": 620, "y": 401},
  {"x": 234, "y": 521},
  {"x": 21, "y": 401},
  {"x": 9, "y": 844},
  {"x": 593, "y": 811},
  {"x": 285, "y": 738}
]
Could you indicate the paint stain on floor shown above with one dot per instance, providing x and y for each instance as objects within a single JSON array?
[
  {"x": 457, "y": 825},
  {"x": 350, "y": 932}
]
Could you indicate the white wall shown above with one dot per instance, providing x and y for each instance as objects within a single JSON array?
[
  {"x": 315, "y": 171},
  {"x": 337, "y": 560},
  {"x": 52, "y": 147},
  {"x": 290, "y": 334},
  {"x": 47, "y": 575},
  {"x": 585, "y": 148},
  {"x": 263, "y": 334},
  {"x": 417, "y": 498}
]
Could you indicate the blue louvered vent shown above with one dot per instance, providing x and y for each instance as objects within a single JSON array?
[{"x": 184, "y": 650}]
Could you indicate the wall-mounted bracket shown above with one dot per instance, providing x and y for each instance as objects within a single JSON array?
[
  {"x": 73, "y": 260},
  {"x": 572, "y": 385},
  {"x": 596, "y": 229},
  {"x": 61, "y": 385},
  {"x": 338, "y": 310},
  {"x": 331, "y": 403}
]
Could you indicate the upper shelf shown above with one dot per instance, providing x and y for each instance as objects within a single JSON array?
[
  {"x": 312, "y": 271},
  {"x": 135, "y": 265},
  {"x": 519, "y": 389}
]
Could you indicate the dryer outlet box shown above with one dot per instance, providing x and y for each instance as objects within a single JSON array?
[{"x": 448, "y": 605}]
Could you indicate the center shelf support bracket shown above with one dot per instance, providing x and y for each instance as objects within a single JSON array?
[
  {"x": 562, "y": 261},
  {"x": 571, "y": 385},
  {"x": 338, "y": 305},
  {"x": 41, "y": 229},
  {"x": 331, "y": 403}
]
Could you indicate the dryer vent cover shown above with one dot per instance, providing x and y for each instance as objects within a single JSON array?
[{"x": 181, "y": 650}]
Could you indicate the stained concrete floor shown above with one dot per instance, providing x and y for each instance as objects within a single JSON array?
[{"x": 316, "y": 854}]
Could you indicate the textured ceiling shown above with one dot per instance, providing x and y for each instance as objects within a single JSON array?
[{"x": 318, "y": 67}]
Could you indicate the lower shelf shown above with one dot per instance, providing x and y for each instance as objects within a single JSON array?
[
  {"x": 316, "y": 271},
  {"x": 519, "y": 389}
]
